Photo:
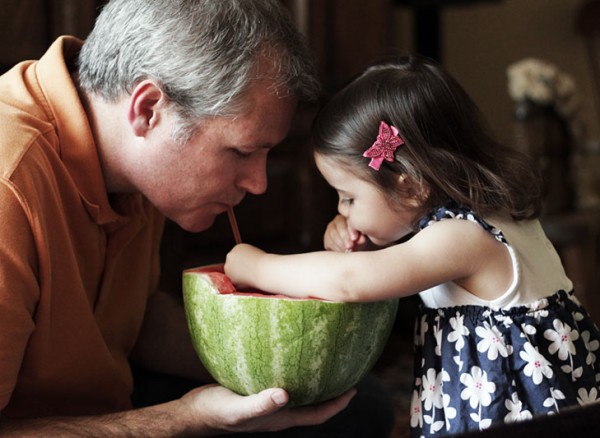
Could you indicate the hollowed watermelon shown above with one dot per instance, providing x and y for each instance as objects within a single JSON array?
[{"x": 314, "y": 349}]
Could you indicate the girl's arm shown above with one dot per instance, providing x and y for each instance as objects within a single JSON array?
[{"x": 449, "y": 250}]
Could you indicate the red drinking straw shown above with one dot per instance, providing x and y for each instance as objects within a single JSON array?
[{"x": 234, "y": 225}]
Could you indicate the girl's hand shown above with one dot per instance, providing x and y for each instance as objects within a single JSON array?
[
  {"x": 241, "y": 264},
  {"x": 340, "y": 237}
]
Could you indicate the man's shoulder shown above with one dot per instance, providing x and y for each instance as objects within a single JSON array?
[{"x": 23, "y": 134}]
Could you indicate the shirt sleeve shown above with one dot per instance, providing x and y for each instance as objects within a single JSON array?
[{"x": 19, "y": 290}]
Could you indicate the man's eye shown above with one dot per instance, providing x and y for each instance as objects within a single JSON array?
[{"x": 240, "y": 153}]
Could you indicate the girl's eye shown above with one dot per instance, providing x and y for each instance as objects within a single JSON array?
[{"x": 347, "y": 201}]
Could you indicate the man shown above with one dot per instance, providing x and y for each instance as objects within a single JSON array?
[{"x": 167, "y": 110}]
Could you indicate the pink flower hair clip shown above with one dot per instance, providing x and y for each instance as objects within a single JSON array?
[{"x": 384, "y": 147}]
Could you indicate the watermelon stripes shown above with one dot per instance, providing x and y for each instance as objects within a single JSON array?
[{"x": 314, "y": 349}]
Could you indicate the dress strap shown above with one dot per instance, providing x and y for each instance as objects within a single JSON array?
[{"x": 455, "y": 211}]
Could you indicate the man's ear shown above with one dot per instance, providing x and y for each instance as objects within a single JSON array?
[{"x": 144, "y": 107}]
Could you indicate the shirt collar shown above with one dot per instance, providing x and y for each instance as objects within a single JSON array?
[{"x": 76, "y": 144}]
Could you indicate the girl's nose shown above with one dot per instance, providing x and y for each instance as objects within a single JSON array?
[{"x": 342, "y": 208}]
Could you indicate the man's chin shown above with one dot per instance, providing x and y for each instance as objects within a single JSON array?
[{"x": 196, "y": 225}]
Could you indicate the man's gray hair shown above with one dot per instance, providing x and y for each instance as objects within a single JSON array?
[{"x": 202, "y": 53}]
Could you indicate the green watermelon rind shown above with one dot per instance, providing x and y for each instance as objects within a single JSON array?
[{"x": 314, "y": 349}]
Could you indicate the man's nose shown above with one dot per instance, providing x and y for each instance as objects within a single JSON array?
[{"x": 253, "y": 179}]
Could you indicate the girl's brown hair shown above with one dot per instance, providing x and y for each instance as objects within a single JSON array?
[{"x": 447, "y": 145}]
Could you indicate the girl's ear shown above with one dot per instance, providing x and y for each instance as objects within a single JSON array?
[{"x": 416, "y": 192}]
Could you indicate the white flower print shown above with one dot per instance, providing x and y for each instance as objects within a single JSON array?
[
  {"x": 515, "y": 410},
  {"x": 505, "y": 320},
  {"x": 528, "y": 329},
  {"x": 584, "y": 397},
  {"x": 591, "y": 346},
  {"x": 437, "y": 334},
  {"x": 416, "y": 411},
  {"x": 550, "y": 402},
  {"x": 492, "y": 342},
  {"x": 478, "y": 388},
  {"x": 433, "y": 397},
  {"x": 578, "y": 316},
  {"x": 459, "y": 331},
  {"x": 537, "y": 365},
  {"x": 432, "y": 389},
  {"x": 458, "y": 361},
  {"x": 562, "y": 338},
  {"x": 540, "y": 312},
  {"x": 449, "y": 411}
]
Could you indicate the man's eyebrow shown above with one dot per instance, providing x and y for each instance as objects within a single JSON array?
[
  {"x": 255, "y": 147},
  {"x": 248, "y": 148}
]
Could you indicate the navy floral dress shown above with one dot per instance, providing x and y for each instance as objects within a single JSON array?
[{"x": 476, "y": 366}]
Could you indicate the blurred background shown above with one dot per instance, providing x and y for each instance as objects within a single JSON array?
[{"x": 548, "y": 106}]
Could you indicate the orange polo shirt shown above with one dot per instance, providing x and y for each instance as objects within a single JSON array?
[{"x": 76, "y": 266}]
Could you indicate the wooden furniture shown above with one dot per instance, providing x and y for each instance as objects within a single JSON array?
[
  {"x": 28, "y": 27},
  {"x": 345, "y": 35},
  {"x": 427, "y": 27}
]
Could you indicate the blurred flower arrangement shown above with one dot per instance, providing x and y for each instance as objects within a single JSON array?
[
  {"x": 533, "y": 82},
  {"x": 542, "y": 83}
]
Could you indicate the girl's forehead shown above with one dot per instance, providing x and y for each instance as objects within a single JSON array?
[
  {"x": 339, "y": 174},
  {"x": 332, "y": 168}
]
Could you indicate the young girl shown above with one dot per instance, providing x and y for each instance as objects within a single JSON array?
[{"x": 500, "y": 336}]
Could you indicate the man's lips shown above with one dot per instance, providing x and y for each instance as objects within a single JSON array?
[{"x": 226, "y": 205}]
